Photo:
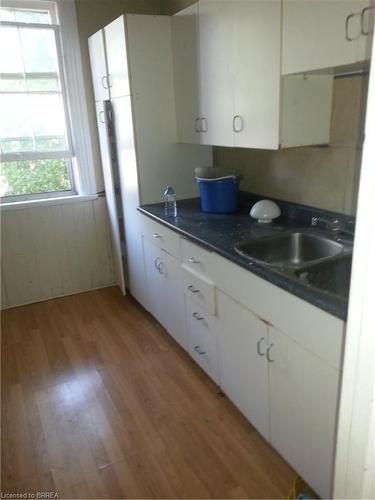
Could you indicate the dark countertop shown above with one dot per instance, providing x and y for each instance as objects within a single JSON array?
[{"x": 219, "y": 233}]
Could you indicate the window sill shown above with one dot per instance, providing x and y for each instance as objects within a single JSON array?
[{"x": 61, "y": 200}]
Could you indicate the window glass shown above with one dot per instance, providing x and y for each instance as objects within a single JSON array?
[
  {"x": 33, "y": 127},
  {"x": 40, "y": 176}
]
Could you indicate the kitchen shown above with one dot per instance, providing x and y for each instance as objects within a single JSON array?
[{"x": 172, "y": 93}]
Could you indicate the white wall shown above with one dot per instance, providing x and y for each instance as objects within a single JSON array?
[{"x": 54, "y": 250}]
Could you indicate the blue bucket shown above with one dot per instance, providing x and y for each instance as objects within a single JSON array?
[{"x": 219, "y": 196}]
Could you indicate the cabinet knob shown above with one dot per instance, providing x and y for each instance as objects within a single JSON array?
[
  {"x": 364, "y": 31},
  {"x": 192, "y": 289},
  {"x": 194, "y": 261},
  {"x": 204, "y": 125},
  {"x": 259, "y": 343},
  {"x": 105, "y": 82},
  {"x": 269, "y": 359},
  {"x": 347, "y": 23},
  {"x": 197, "y": 348},
  {"x": 238, "y": 124},
  {"x": 197, "y": 316}
]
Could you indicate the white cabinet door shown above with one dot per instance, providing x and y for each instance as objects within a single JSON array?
[
  {"x": 155, "y": 280},
  {"x": 257, "y": 31},
  {"x": 313, "y": 34},
  {"x": 117, "y": 60},
  {"x": 98, "y": 66},
  {"x": 216, "y": 71},
  {"x": 174, "y": 308},
  {"x": 186, "y": 74},
  {"x": 365, "y": 42},
  {"x": 111, "y": 197},
  {"x": 243, "y": 368},
  {"x": 303, "y": 402}
]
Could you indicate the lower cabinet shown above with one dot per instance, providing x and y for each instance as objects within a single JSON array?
[
  {"x": 242, "y": 344},
  {"x": 303, "y": 401},
  {"x": 165, "y": 290},
  {"x": 288, "y": 393}
]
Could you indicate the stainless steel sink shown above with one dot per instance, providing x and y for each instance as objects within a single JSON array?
[
  {"x": 290, "y": 249},
  {"x": 332, "y": 276}
]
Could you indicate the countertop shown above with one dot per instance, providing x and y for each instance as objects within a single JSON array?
[{"x": 219, "y": 233}]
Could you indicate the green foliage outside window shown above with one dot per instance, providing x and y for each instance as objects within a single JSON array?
[{"x": 27, "y": 177}]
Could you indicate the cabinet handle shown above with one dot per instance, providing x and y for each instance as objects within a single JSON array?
[
  {"x": 347, "y": 21},
  {"x": 269, "y": 359},
  {"x": 363, "y": 13},
  {"x": 197, "y": 128},
  {"x": 205, "y": 122},
  {"x": 156, "y": 235},
  {"x": 105, "y": 80},
  {"x": 102, "y": 116},
  {"x": 192, "y": 289},
  {"x": 197, "y": 316},
  {"x": 156, "y": 264},
  {"x": 198, "y": 350},
  {"x": 161, "y": 268},
  {"x": 235, "y": 128},
  {"x": 194, "y": 261},
  {"x": 259, "y": 343}
]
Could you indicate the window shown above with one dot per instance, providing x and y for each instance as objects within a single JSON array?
[{"x": 36, "y": 135}]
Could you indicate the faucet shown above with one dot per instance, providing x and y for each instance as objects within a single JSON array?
[{"x": 335, "y": 226}]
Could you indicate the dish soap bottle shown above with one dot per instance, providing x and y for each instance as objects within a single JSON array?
[{"x": 170, "y": 204}]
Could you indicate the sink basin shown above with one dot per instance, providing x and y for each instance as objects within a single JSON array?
[
  {"x": 291, "y": 249},
  {"x": 331, "y": 276}
]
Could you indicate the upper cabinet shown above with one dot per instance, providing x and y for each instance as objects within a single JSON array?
[
  {"x": 228, "y": 85},
  {"x": 323, "y": 34},
  {"x": 99, "y": 69},
  {"x": 108, "y": 58}
]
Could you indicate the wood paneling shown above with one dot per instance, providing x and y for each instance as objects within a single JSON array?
[
  {"x": 54, "y": 250},
  {"x": 99, "y": 402}
]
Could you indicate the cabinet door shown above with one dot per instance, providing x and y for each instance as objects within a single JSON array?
[
  {"x": 216, "y": 71},
  {"x": 243, "y": 368},
  {"x": 155, "y": 280},
  {"x": 303, "y": 402},
  {"x": 174, "y": 310},
  {"x": 117, "y": 60},
  {"x": 98, "y": 66},
  {"x": 314, "y": 34},
  {"x": 111, "y": 194},
  {"x": 186, "y": 74},
  {"x": 257, "y": 31}
]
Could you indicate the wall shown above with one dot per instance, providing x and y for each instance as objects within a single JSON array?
[
  {"x": 323, "y": 177},
  {"x": 93, "y": 15},
  {"x": 54, "y": 250}
]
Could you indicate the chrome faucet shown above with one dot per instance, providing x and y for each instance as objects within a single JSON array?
[{"x": 335, "y": 226}]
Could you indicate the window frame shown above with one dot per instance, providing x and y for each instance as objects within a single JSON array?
[{"x": 79, "y": 155}]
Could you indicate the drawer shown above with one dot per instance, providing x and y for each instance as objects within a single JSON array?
[
  {"x": 199, "y": 289},
  {"x": 196, "y": 258},
  {"x": 161, "y": 236},
  {"x": 202, "y": 338}
]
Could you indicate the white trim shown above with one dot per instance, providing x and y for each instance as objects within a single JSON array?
[
  {"x": 354, "y": 457},
  {"x": 61, "y": 200},
  {"x": 77, "y": 99}
]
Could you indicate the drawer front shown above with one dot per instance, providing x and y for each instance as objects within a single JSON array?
[
  {"x": 196, "y": 258},
  {"x": 201, "y": 332},
  {"x": 161, "y": 236},
  {"x": 199, "y": 289}
]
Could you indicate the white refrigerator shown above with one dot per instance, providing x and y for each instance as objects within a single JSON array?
[{"x": 132, "y": 73}]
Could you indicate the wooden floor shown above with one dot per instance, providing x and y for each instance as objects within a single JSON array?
[{"x": 99, "y": 402}]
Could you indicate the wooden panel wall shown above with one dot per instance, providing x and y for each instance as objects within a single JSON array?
[{"x": 54, "y": 250}]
